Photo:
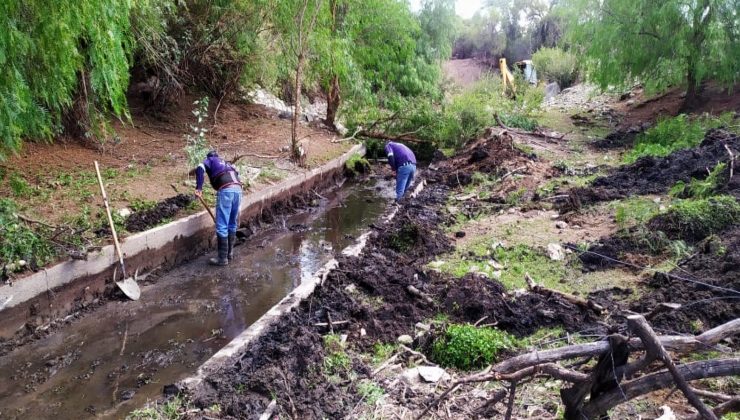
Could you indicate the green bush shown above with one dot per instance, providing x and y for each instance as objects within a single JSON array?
[
  {"x": 468, "y": 347},
  {"x": 700, "y": 188},
  {"x": 697, "y": 219},
  {"x": 18, "y": 241},
  {"x": 671, "y": 134},
  {"x": 556, "y": 65}
]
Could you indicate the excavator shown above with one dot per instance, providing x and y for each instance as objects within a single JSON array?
[{"x": 506, "y": 77}]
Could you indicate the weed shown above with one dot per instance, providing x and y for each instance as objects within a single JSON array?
[
  {"x": 468, "y": 347},
  {"x": 635, "y": 211},
  {"x": 19, "y": 185},
  {"x": 196, "y": 146},
  {"x": 370, "y": 391},
  {"x": 140, "y": 204},
  {"x": 381, "y": 352},
  {"x": 521, "y": 259},
  {"x": 171, "y": 410},
  {"x": 270, "y": 173},
  {"x": 673, "y": 134},
  {"x": 18, "y": 241},
  {"x": 700, "y": 188},
  {"x": 404, "y": 239},
  {"x": 514, "y": 197},
  {"x": 697, "y": 219},
  {"x": 357, "y": 164},
  {"x": 336, "y": 359}
]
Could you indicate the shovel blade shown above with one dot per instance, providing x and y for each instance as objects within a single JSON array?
[{"x": 129, "y": 288}]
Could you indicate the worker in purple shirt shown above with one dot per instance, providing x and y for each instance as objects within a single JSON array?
[
  {"x": 225, "y": 180},
  {"x": 403, "y": 163}
]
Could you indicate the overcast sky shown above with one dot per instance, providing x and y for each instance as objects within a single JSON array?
[{"x": 464, "y": 8}]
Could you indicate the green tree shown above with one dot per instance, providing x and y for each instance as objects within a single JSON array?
[
  {"x": 661, "y": 43},
  {"x": 60, "y": 59}
]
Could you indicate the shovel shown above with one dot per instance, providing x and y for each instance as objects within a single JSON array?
[
  {"x": 128, "y": 285},
  {"x": 202, "y": 201}
]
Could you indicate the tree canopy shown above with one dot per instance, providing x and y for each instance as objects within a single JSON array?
[{"x": 661, "y": 44}]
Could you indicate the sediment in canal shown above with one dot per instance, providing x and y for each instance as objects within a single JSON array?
[{"x": 34, "y": 301}]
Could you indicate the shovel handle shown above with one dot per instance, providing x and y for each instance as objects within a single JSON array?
[
  {"x": 110, "y": 219},
  {"x": 202, "y": 201}
]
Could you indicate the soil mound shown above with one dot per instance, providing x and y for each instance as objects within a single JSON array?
[
  {"x": 165, "y": 209},
  {"x": 703, "y": 286},
  {"x": 652, "y": 175}
]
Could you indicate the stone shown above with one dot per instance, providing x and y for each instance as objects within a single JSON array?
[
  {"x": 363, "y": 332},
  {"x": 460, "y": 234},
  {"x": 561, "y": 224},
  {"x": 405, "y": 339},
  {"x": 495, "y": 264},
  {"x": 551, "y": 90},
  {"x": 422, "y": 326},
  {"x": 668, "y": 414},
  {"x": 411, "y": 377},
  {"x": 555, "y": 252},
  {"x": 351, "y": 288},
  {"x": 432, "y": 373}
]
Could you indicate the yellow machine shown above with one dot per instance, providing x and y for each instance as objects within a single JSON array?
[{"x": 506, "y": 76}]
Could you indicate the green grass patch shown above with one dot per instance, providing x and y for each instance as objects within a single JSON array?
[
  {"x": 171, "y": 410},
  {"x": 18, "y": 241},
  {"x": 404, "y": 239},
  {"x": 700, "y": 188},
  {"x": 697, "y": 219},
  {"x": 508, "y": 265},
  {"x": 140, "y": 204},
  {"x": 382, "y": 351},
  {"x": 635, "y": 211},
  {"x": 336, "y": 360},
  {"x": 676, "y": 133},
  {"x": 467, "y": 347},
  {"x": 370, "y": 391},
  {"x": 357, "y": 164}
]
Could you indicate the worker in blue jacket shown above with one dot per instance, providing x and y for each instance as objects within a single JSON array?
[
  {"x": 225, "y": 180},
  {"x": 403, "y": 163}
]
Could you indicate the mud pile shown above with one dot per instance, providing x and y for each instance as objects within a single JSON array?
[
  {"x": 165, "y": 209},
  {"x": 707, "y": 286},
  {"x": 379, "y": 296},
  {"x": 654, "y": 175}
]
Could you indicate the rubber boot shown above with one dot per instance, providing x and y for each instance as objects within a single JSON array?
[
  {"x": 232, "y": 242},
  {"x": 223, "y": 249}
]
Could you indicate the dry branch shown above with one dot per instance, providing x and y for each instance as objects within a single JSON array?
[
  {"x": 542, "y": 290},
  {"x": 535, "y": 133},
  {"x": 655, "y": 381}
]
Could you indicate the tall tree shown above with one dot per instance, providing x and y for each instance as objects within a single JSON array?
[{"x": 661, "y": 43}]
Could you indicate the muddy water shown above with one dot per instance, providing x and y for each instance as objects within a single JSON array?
[{"x": 115, "y": 359}]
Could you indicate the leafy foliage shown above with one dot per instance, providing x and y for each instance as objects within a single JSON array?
[
  {"x": 697, "y": 219},
  {"x": 671, "y": 134},
  {"x": 336, "y": 360},
  {"x": 196, "y": 146},
  {"x": 18, "y": 241},
  {"x": 661, "y": 43},
  {"x": 701, "y": 188},
  {"x": 556, "y": 65},
  {"x": 468, "y": 347},
  {"x": 60, "y": 55}
]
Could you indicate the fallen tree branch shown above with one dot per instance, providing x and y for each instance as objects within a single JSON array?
[
  {"x": 352, "y": 137},
  {"x": 716, "y": 396},
  {"x": 34, "y": 221},
  {"x": 679, "y": 344},
  {"x": 584, "y": 303},
  {"x": 731, "y": 406},
  {"x": 655, "y": 381},
  {"x": 535, "y": 133},
  {"x": 267, "y": 414},
  {"x": 243, "y": 155}
]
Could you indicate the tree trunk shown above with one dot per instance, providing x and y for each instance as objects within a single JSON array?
[
  {"x": 692, "y": 90},
  {"x": 333, "y": 100},
  {"x": 295, "y": 150}
]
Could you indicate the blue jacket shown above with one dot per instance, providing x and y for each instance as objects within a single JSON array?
[
  {"x": 399, "y": 155},
  {"x": 220, "y": 173}
]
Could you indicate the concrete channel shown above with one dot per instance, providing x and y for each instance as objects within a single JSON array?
[{"x": 120, "y": 354}]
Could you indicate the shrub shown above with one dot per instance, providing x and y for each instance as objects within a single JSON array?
[
  {"x": 18, "y": 241},
  {"x": 700, "y": 188},
  {"x": 468, "y": 347},
  {"x": 556, "y": 65},
  {"x": 671, "y": 134},
  {"x": 696, "y": 219},
  {"x": 336, "y": 360}
]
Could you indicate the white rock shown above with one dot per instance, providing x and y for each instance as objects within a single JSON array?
[
  {"x": 363, "y": 332},
  {"x": 495, "y": 264},
  {"x": 422, "y": 326},
  {"x": 351, "y": 288},
  {"x": 411, "y": 377},
  {"x": 667, "y": 413},
  {"x": 432, "y": 373},
  {"x": 496, "y": 275},
  {"x": 22, "y": 263},
  {"x": 656, "y": 200},
  {"x": 124, "y": 212},
  {"x": 561, "y": 224},
  {"x": 555, "y": 252},
  {"x": 343, "y": 338},
  {"x": 436, "y": 264},
  {"x": 405, "y": 339}
]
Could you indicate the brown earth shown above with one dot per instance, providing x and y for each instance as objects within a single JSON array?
[{"x": 465, "y": 72}]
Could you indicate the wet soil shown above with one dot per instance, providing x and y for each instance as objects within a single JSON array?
[
  {"x": 383, "y": 293},
  {"x": 113, "y": 356},
  {"x": 653, "y": 175},
  {"x": 707, "y": 286},
  {"x": 165, "y": 209}
]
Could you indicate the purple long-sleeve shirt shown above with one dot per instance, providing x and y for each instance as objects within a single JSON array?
[
  {"x": 214, "y": 166},
  {"x": 398, "y": 155}
]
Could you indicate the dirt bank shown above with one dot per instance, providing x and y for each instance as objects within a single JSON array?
[
  {"x": 655, "y": 175},
  {"x": 381, "y": 295}
]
